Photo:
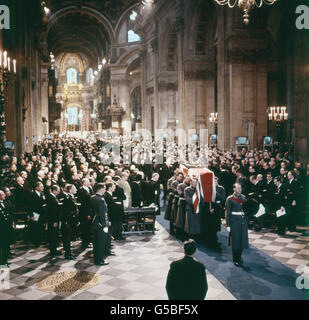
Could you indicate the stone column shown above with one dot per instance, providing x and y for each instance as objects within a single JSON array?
[
  {"x": 180, "y": 111},
  {"x": 222, "y": 81},
  {"x": 120, "y": 90},
  {"x": 44, "y": 97}
]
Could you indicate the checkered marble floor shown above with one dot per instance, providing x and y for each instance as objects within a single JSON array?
[
  {"x": 137, "y": 272},
  {"x": 292, "y": 249}
]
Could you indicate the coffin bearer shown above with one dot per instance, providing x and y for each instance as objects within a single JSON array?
[
  {"x": 192, "y": 222},
  {"x": 237, "y": 224},
  {"x": 100, "y": 225},
  {"x": 181, "y": 212}
]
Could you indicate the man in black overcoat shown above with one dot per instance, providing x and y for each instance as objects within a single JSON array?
[
  {"x": 186, "y": 279},
  {"x": 84, "y": 196},
  {"x": 53, "y": 210},
  {"x": 37, "y": 214},
  {"x": 114, "y": 212},
  {"x": 69, "y": 217},
  {"x": 100, "y": 225}
]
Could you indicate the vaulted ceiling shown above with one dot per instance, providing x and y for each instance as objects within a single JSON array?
[{"x": 80, "y": 26}]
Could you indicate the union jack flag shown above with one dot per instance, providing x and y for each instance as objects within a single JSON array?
[{"x": 205, "y": 189}]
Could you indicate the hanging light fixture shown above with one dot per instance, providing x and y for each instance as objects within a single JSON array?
[{"x": 245, "y": 5}]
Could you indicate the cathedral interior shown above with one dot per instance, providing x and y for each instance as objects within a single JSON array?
[{"x": 79, "y": 67}]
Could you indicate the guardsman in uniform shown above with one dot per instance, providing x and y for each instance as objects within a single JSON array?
[
  {"x": 53, "y": 210},
  {"x": 100, "y": 225},
  {"x": 181, "y": 212},
  {"x": 174, "y": 209},
  {"x": 237, "y": 224},
  {"x": 171, "y": 194},
  {"x": 192, "y": 222},
  {"x": 4, "y": 231},
  {"x": 69, "y": 217}
]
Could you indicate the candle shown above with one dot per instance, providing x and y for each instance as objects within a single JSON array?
[
  {"x": 5, "y": 59},
  {"x": 14, "y": 65},
  {"x": 9, "y": 64}
]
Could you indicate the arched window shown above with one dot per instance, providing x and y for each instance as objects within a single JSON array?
[
  {"x": 133, "y": 37},
  {"x": 72, "y": 115},
  {"x": 133, "y": 16},
  {"x": 72, "y": 76},
  {"x": 90, "y": 76}
]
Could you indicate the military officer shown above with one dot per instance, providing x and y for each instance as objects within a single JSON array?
[
  {"x": 100, "y": 225},
  {"x": 168, "y": 210},
  {"x": 237, "y": 224}
]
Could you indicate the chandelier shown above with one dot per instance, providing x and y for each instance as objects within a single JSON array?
[{"x": 245, "y": 5}]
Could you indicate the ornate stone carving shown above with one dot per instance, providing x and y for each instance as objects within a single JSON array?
[
  {"x": 179, "y": 24},
  {"x": 149, "y": 91},
  {"x": 163, "y": 86},
  {"x": 199, "y": 75},
  {"x": 241, "y": 55}
]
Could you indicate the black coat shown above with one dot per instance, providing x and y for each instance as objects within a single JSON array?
[
  {"x": 98, "y": 209},
  {"x": 186, "y": 280},
  {"x": 70, "y": 210},
  {"x": 114, "y": 209},
  {"x": 53, "y": 209},
  {"x": 38, "y": 205},
  {"x": 84, "y": 199}
]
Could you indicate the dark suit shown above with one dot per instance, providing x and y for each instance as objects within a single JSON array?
[
  {"x": 53, "y": 216},
  {"x": 98, "y": 208},
  {"x": 114, "y": 215},
  {"x": 37, "y": 205},
  {"x": 69, "y": 218},
  {"x": 84, "y": 197},
  {"x": 186, "y": 280}
]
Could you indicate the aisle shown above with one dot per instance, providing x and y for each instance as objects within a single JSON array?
[
  {"x": 263, "y": 277},
  {"x": 137, "y": 272}
]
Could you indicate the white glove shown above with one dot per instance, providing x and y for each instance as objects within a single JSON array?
[
  {"x": 228, "y": 229},
  {"x": 105, "y": 230}
]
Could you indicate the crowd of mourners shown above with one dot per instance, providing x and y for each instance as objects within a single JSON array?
[{"x": 50, "y": 189}]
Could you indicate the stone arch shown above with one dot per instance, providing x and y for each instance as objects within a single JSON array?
[
  {"x": 129, "y": 56},
  {"x": 87, "y": 10},
  {"x": 123, "y": 19},
  {"x": 69, "y": 56}
]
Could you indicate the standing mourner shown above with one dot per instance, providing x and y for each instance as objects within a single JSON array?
[
  {"x": 214, "y": 216},
  {"x": 53, "y": 219},
  {"x": 237, "y": 224},
  {"x": 4, "y": 231},
  {"x": 69, "y": 217},
  {"x": 100, "y": 225},
  {"x": 38, "y": 214},
  {"x": 84, "y": 196},
  {"x": 186, "y": 279}
]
